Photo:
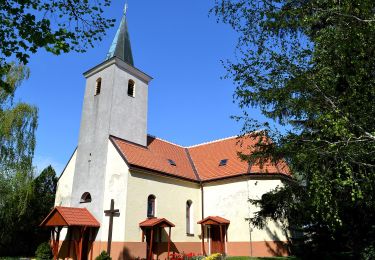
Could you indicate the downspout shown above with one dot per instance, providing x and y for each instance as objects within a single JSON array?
[
  {"x": 202, "y": 193},
  {"x": 202, "y": 209}
]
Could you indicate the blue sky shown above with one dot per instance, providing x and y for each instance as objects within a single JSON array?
[{"x": 178, "y": 44}]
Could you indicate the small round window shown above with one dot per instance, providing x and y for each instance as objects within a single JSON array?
[{"x": 85, "y": 198}]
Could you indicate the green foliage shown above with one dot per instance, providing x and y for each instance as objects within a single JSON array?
[
  {"x": 43, "y": 252},
  {"x": 103, "y": 256},
  {"x": 216, "y": 256},
  {"x": 20, "y": 233},
  {"x": 18, "y": 125},
  {"x": 309, "y": 67},
  {"x": 199, "y": 257},
  {"x": 57, "y": 26}
]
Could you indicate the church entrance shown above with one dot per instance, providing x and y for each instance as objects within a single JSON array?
[
  {"x": 80, "y": 224},
  {"x": 217, "y": 233},
  {"x": 151, "y": 232}
]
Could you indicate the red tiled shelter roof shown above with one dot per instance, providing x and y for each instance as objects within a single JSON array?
[
  {"x": 212, "y": 220},
  {"x": 199, "y": 162},
  {"x": 68, "y": 216},
  {"x": 152, "y": 222}
]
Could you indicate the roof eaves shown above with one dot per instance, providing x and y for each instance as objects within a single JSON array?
[
  {"x": 253, "y": 174},
  {"x": 164, "y": 174},
  {"x": 66, "y": 165}
]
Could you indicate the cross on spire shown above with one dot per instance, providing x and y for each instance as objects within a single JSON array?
[{"x": 125, "y": 7}]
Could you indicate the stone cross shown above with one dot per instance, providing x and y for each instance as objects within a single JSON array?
[{"x": 112, "y": 212}]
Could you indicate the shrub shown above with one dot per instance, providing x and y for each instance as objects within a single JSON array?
[
  {"x": 103, "y": 256},
  {"x": 216, "y": 256},
  {"x": 197, "y": 257},
  {"x": 43, "y": 252},
  {"x": 368, "y": 253}
]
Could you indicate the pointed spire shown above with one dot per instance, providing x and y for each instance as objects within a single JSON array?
[{"x": 120, "y": 46}]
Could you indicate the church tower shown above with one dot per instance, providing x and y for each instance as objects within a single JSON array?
[{"x": 115, "y": 104}]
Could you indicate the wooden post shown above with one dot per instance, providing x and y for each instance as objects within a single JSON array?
[
  {"x": 53, "y": 244},
  {"x": 143, "y": 235},
  {"x": 82, "y": 232},
  {"x": 203, "y": 250},
  {"x": 58, "y": 240},
  {"x": 169, "y": 240},
  {"x": 221, "y": 239},
  {"x": 111, "y": 213},
  {"x": 55, "y": 241},
  {"x": 151, "y": 241},
  {"x": 69, "y": 241}
]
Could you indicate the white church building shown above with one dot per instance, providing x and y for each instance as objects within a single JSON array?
[{"x": 141, "y": 197}]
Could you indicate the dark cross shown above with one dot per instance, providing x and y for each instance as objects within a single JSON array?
[{"x": 112, "y": 212}]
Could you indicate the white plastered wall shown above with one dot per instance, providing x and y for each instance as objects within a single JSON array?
[
  {"x": 65, "y": 183},
  {"x": 64, "y": 188},
  {"x": 116, "y": 179},
  {"x": 229, "y": 199},
  {"x": 171, "y": 197}
]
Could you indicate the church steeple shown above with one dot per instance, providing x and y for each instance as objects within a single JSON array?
[{"x": 120, "y": 46}]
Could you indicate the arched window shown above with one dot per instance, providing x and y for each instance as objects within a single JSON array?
[
  {"x": 189, "y": 218},
  {"x": 98, "y": 86},
  {"x": 131, "y": 88},
  {"x": 85, "y": 198},
  {"x": 151, "y": 206}
]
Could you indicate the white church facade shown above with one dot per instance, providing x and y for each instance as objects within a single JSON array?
[{"x": 166, "y": 199}]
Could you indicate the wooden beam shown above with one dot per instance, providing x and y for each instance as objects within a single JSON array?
[
  {"x": 169, "y": 241},
  {"x": 151, "y": 242},
  {"x": 69, "y": 241},
  {"x": 53, "y": 244},
  {"x": 221, "y": 239},
  {"x": 202, "y": 231}
]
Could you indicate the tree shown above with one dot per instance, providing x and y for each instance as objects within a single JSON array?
[
  {"x": 17, "y": 143},
  {"x": 21, "y": 233},
  {"x": 309, "y": 67},
  {"x": 24, "y": 200},
  {"x": 57, "y": 26}
]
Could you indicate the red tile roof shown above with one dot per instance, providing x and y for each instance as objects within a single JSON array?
[
  {"x": 152, "y": 222},
  {"x": 196, "y": 163},
  {"x": 68, "y": 216},
  {"x": 216, "y": 219},
  {"x": 155, "y": 157},
  {"x": 207, "y": 157}
]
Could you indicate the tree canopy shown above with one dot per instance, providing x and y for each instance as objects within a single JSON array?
[
  {"x": 309, "y": 66},
  {"x": 57, "y": 26}
]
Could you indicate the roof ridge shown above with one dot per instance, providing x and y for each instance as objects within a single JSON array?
[
  {"x": 161, "y": 139},
  {"x": 214, "y": 141}
]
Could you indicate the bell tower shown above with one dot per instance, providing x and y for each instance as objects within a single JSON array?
[{"x": 115, "y": 103}]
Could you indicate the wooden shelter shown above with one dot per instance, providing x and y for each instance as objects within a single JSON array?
[
  {"x": 149, "y": 227},
  {"x": 78, "y": 220},
  {"x": 218, "y": 232}
]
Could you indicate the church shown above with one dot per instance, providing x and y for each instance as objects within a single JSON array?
[{"x": 137, "y": 196}]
